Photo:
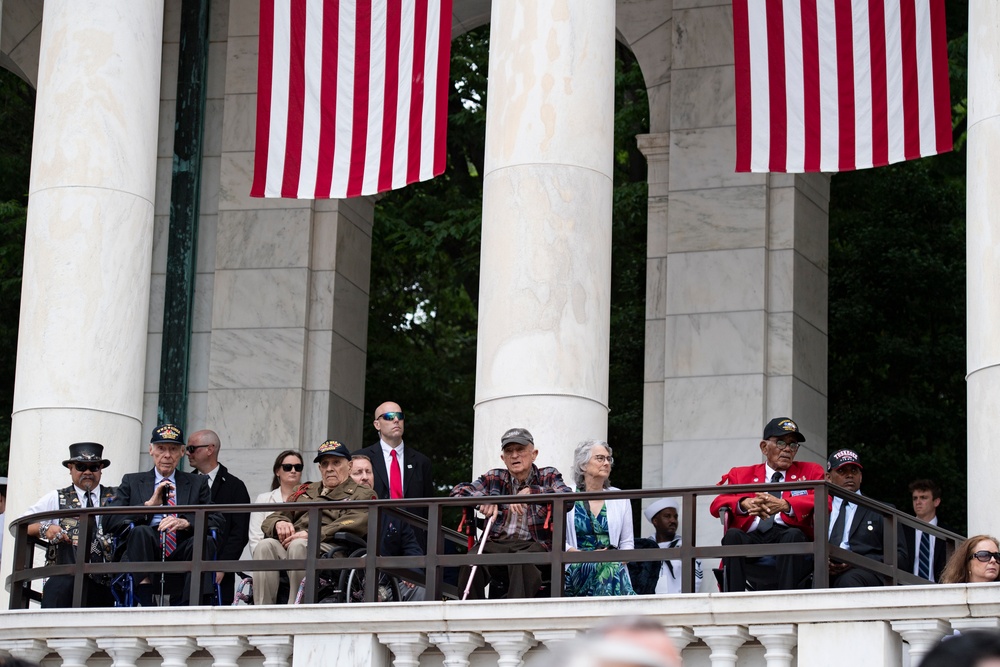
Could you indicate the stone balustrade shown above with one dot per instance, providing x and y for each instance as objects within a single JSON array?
[{"x": 884, "y": 627}]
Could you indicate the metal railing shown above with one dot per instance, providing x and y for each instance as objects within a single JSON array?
[{"x": 428, "y": 570}]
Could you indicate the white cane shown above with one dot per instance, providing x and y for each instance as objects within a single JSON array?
[{"x": 482, "y": 543}]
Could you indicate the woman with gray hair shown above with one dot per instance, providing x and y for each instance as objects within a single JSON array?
[{"x": 596, "y": 525}]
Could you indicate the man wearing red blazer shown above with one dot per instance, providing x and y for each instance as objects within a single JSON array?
[{"x": 775, "y": 517}]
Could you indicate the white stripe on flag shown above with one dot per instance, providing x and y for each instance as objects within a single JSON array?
[
  {"x": 862, "y": 86},
  {"x": 828, "y": 87},
  {"x": 894, "y": 81},
  {"x": 376, "y": 85},
  {"x": 399, "y": 152},
  {"x": 925, "y": 71},
  {"x": 427, "y": 119},
  {"x": 347, "y": 38},
  {"x": 279, "y": 99},
  {"x": 759, "y": 83},
  {"x": 794, "y": 158},
  {"x": 311, "y": 110}
]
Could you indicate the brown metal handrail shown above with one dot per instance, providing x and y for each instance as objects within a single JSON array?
[{"x": 436, "y": 560}]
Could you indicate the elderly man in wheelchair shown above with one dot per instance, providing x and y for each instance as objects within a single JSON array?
[{"x": 286, "y": 532}]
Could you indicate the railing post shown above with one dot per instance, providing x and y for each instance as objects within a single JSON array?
[
  {"x": 312, "y": 549},
  {"x": 688, "y": 528},
  {"x": 435, "y": 543},
  {"x": 198, "y": 555},
  {"x": 556, "y": 579},
  {"x": 375, "y": 528},
  {"x": 821, "y": 519}
]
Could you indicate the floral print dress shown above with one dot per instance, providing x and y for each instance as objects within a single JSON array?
[{"x": 590, "y": 579}]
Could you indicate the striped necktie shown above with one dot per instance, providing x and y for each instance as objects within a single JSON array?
[
  {"x": 924, "y": 568},
  {"x": 169, "y": 536}
]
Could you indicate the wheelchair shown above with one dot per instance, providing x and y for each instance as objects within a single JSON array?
[
  {"x": 123, "y": 586},
  {"x": 348, "y": 585}
]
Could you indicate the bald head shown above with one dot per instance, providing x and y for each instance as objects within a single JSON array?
[
  {"x": 203, "y": 450},
  {"x": 389, "y": 423}
]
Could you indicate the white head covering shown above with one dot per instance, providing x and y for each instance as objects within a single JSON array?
[{"x": 658, "y": 506}]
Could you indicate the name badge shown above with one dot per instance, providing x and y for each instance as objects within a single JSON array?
[{"x": 800, "y": 492}]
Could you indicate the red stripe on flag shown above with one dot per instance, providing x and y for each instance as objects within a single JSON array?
[
  {"x": 265, "y": 61},
  {"x": 444, "y": 62},
  {"x": 390, "y": 95},
  {"x": 942, "y": 91},
  {"x": 362, "y": 72},
  {"x": 776, "y": 87},
  {"x": 880, "y": 84},
  {"x": 328, "y": 101},
  {"x": 845, "y": 86},
  {"x": 911, "y": 82},
  {"x": 744, "y": 110},
  {"x": 811, "y": 81},
  {"x": 296, "y": 99},
  {"x": 417, "y": 97}
]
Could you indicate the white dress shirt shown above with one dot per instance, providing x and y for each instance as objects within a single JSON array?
[
  {"x": 50, "y": 501},
  {"x": 851, "y": 508},
  {"x": 916, "y": 550}
]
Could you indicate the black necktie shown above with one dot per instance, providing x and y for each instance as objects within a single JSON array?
[
  {"x": 768, "y": 523},
  {"x": 837, "y": 532},
  {"x": 91, "y": 519}
]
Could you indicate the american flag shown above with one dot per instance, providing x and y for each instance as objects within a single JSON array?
[
  {"x": 352, "y": 96},
  {"x": 835, "y": 85}
]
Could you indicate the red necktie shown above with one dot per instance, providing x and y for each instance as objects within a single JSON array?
[
  {"x": 170, "y": 536},
  {"x": 395, "y": 478}
]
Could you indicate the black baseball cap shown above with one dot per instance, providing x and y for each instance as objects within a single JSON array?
[
  {"x": 841, "y": 458},
  {"x": 780, "y": 426}
]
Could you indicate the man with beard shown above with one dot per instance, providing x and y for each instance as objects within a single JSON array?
[
  {"x": 86, "y": 462},
  {"x": 770, "y": 518}
]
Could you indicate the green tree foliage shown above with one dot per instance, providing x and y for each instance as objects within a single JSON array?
[
  {"x": 897, "y": 316},
  {"x": 425, "y": 278},
  {"x": 17, "y": 108}
]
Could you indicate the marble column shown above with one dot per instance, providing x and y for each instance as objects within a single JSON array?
[
  {"x": 406, "y": 647},
  {"x": 275, "y": 648},
  {"x": 88, "y": 241},
  {"x": 174, "y": 650},
  {"x": 778, "y": 641},
  {"x": 456, "y": 646},
  {"x": 124, "y": 651},
  {"x": 736, "y": 280},
  {"x": 289, "y": 324},
  {"x": 983, "y": 262},
  {"x": 544, "y": 309},
  {"x": 510, "y": 645},
  {"x": 32, "y": 650},
  {"x": 724, "y": 641},
  {"x": 74, "y": 652},
  {"x": 680, "y": 637},
  {"x": 226, "y": 651},
  {"x": 921, "y": 635}
]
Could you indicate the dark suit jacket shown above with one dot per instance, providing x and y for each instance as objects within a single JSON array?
[
  {"x": 865, "y": 536},
  {"x": 417, "y": 480},
  {"x": 939, "y": 559},
  {"x": 228, "y": 489},
  {"x": 137, "y": 487}
]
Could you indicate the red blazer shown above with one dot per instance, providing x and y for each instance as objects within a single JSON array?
[{"x": 802, "y": 503}]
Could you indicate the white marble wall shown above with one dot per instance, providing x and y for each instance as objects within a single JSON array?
[
  {"x": 736, "y": 299},
  {"x": 983, "y": 263}
]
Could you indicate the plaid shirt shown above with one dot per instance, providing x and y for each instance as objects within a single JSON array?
[{"x": 499, "y": 482}]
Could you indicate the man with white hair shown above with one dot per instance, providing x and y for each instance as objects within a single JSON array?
[{"x": 661, "y": 576}]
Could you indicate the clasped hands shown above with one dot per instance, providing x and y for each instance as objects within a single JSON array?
[
  {"x": 286, "y": 532},
  {"x": 517, "y": 508},
  {"x": 764, "y": 505}
]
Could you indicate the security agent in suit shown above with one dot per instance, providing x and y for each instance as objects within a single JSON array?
[
  {"x": 153, "y": 489},
  {"x": 853, "y": 526},
  {"x": 226, "y": 489},
  {"x": 414, "y": 467},
  {"x": 926, "y": 495},
  {"x": 770, "y": 518},
  {"x": 86, "y": 464}
]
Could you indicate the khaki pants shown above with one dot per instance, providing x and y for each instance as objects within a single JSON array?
[{"x": 265, "y": 584}]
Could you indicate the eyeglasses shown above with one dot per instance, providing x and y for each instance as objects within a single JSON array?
[
  {"x": 389, "y": 416},
  {"x": 289, "y": 467},
  {"x": 87, "y": 467},
  {"x": 601, "y": 458},
  {"x": 985, "y": 556},
  {"x": 791, "y": 446},
  {"x": 192, "y": 448}
]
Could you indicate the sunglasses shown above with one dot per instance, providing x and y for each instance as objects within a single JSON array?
[
  {"x": 389, "y": 416},
  {"x": 289, "y": 467},
  {"x": 191, "y": 449},
  {"x": 87, "y": 467},
  {"x": 985, "y": 556}
]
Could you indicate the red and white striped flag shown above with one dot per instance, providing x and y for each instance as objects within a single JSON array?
[
  {"x": 835, "y": 85},
  {"x": 352, "y": 96}
]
